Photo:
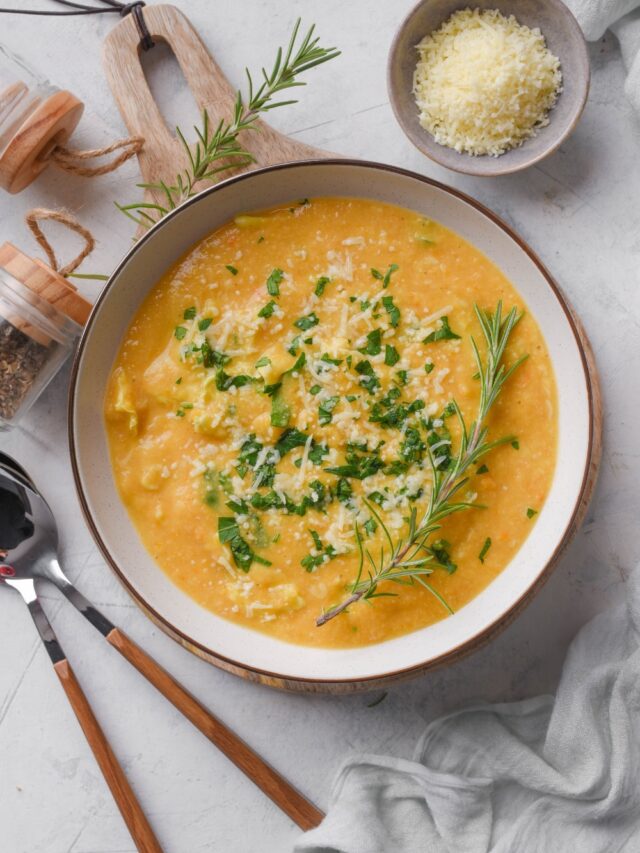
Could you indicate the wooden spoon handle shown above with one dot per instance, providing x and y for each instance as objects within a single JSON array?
[
  {"x": 134, "y": 817},
  {"x": 284, "y": 795}
]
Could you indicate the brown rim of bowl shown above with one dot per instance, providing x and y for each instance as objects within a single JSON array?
[
  {"x": 467, "y": 158},
  {"x": 275, "y": 679}
]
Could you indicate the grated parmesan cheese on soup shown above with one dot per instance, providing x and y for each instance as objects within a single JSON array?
[{"x": 485, "y": 83}]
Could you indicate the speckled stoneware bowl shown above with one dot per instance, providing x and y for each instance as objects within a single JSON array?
[{"x": 564, "y": 38}]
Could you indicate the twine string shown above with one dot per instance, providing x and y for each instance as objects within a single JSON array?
[
  {"x": 117, "y": 6},
  {"x": 71, "y": 159},
  {"x": 41, "y": 214}
]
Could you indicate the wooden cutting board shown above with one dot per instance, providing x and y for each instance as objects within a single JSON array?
[{"x": 163, "y": 156}]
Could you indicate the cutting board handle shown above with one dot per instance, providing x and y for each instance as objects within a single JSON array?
[{"x": 162, "y": 156}]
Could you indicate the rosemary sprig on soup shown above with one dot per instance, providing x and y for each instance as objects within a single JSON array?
[
  {"x": 411, "y": 557},
  {"x": 326, "y": 405}
]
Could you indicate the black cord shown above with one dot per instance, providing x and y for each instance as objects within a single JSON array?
[{"x": 123, "y": 9}]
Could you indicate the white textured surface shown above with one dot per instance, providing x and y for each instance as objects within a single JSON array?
[{"x": 579, "y": 211}]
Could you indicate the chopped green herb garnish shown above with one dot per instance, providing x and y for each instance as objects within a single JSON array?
[
  {"x": 482, "y": 470},
  {"x": 293, "y": 347},
  {"x": 412, "y": 448},
  {"x": 205, "y": 355},
  {"x": 392, "y": 310},
  {"x": 268, "y": 309},
  {"x": 393, "y": 415},
  {"x": 317, "y": 453},
  {"x": 485, "y": 548},
  {"x": 233, "y": 270},
  {"x": 368, "y": 380},
  {"x": 325, "y": 410},
  {"x": 224, "y": 381},
  {"x": 180, "y": 332},
  {"x": 403, "y": 377},
  {"x": 189, "y": 313},
  {"x": 531, "y": 512},
  {"x": 429, "y": 367},
  {"x": 263, "y": 361},
  {"x": 444, "y": 333},
  {"x": 328, "y": 360},
  {"x": 312, "y": 561},
  {"x": 321, "y": 284},
  {"x": 307, "y": 322},
  {"x": 273, "y": 282},
  {"x": 386, "y": 278},
  {"x": 178, "y": 380},
  {"x": 440, "y": 552},
  {"x": 242, "y": 553},
  {"x": 280, "y": 411},
  {"x": 204, "y": 324},
  {"x": 391, "y": 355},
  {"x": 370, "y": 526},
  {"x": 315, "y": 389},
  {"x": 374, "y": 343},
  {"x": 358, "y": 468},
  {"x": 343, "y": 490},
  {"x": 289, "y": 440},
  {"x": 515, "y": 444},
  {"x": 376, "y": 498}
]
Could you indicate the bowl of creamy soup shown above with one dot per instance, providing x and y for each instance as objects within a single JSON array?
[{"x": 332, "y": 424}]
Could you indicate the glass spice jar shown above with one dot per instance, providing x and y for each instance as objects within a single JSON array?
[
  {"x": 35, "y": 116},
  {"x": 41, "y": 317}
]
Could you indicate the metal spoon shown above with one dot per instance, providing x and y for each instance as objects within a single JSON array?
[
  {"x": 24, "y": 542},
  {"x": 36, "y": 557},
  {"x": 11, "y": 467}
]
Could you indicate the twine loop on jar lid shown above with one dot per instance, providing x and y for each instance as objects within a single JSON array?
[
  {"x": 70, "y": 159},
  {"x": 38, "y": 214}
]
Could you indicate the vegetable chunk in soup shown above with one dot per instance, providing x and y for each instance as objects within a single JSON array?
[{"x": 286, "y": 397}]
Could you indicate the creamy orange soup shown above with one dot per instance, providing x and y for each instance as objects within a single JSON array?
[{"x": 281, "y": 392}]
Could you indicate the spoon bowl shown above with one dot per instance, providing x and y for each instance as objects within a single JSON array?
[{"x": 28, "y": 531}]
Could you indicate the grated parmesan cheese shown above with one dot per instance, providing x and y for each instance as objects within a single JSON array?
[{"x": 485, "y": 83}]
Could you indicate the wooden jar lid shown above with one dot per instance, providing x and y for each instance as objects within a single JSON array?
[
  {"x": 45, "y": 283},
  {"x": 27, "y": 154}
]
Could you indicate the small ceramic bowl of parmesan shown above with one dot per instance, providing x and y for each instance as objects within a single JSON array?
[{"x": 488, "y": 89}]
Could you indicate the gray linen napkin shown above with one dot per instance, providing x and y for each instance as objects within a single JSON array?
[
  {"x": 622, "y": 17},
  {"x": 540, "y": 776}
]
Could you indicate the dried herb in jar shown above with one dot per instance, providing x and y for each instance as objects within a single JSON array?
[{"x": 21, "y": 359}]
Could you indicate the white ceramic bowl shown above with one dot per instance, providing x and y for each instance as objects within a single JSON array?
[{"x": 256, "y": 655}]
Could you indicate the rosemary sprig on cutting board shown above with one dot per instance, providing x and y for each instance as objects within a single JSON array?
[
  {"x": 218, "y": 148},
  {"x": 410, "y": 558}
]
